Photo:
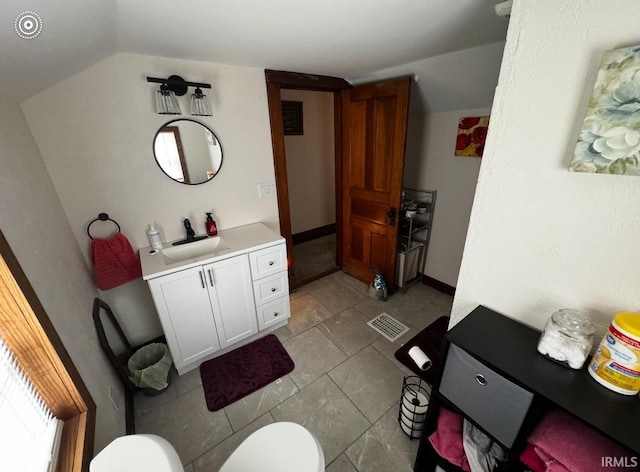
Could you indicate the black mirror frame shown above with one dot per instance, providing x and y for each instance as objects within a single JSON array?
[{"x": 153, "y": 149}]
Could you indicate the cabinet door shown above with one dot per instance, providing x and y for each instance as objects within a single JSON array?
[
  {"x": 184, "y": 308},
  {"x": 231, "y": 292}
]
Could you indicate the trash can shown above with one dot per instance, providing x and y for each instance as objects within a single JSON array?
[{"x": 149, "y": 368}]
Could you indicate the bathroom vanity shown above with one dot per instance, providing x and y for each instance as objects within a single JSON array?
[{"x": 219, "y": 293}]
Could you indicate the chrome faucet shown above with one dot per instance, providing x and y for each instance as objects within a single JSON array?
[{"x": 191, "y": 234}]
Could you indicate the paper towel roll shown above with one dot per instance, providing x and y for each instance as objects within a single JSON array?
[{"x": 420, "y": 358}]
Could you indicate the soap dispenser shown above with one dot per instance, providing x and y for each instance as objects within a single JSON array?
[
  {"x": 212, "y": 230},
  {"x": 154, "y": 237}
]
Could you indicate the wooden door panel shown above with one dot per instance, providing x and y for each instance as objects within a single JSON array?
[
  {"x": 369, "y": 248},
  {"x": 358, "y": 145},
  {"x": 374, "y": 135},
  {"x": 371, "y": 211},
  {"x": 378, "y": 253},
  {"x": 383, "y": 144}
]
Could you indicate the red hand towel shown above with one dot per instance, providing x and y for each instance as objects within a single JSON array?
[{"x": 114, "y": 261}]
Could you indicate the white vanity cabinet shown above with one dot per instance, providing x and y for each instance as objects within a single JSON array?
[
  {"x": 270, "y": 285},
  {"x": 206, "y": 308},
  {"x": 184, "y": 308},
  {"x": 211, "y": 303}
]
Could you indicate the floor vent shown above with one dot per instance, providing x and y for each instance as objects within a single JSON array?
[{"x": 388, "y": 326}]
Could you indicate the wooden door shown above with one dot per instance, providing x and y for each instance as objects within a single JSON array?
[{"x": 374, "y": 128}]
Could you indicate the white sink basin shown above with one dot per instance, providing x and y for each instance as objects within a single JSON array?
[{"x": 194, "y": 250}]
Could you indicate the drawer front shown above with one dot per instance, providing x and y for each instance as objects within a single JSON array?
[
  {"x": 493, "y": 402},
  {"x": 274, "y": 312},
  {"x": 270, "y": 288},
  {"x": 268, "y": 261}
]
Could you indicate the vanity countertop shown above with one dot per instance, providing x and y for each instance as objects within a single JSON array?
[{"x": 240, "y": 240}]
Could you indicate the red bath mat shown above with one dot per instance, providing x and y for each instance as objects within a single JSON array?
[{"x": 238, "y": 373}]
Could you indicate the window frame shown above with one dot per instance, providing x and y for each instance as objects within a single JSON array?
[{"x": 38, "y": 349}]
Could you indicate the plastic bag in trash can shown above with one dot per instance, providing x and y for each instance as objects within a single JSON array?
[{"x": 149, "y": 367}]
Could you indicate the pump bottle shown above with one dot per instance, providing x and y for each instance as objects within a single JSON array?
[
  {"x": 212, "y": 230},
  {"x": 154, "y": 237}
]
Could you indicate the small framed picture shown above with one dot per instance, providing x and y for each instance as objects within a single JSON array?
[{"x": 292, "y": 117}]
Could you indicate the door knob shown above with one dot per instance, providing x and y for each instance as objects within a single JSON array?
[{"x": 392, "y": 216}]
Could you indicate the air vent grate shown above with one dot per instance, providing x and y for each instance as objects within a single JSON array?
[{"x": 388, "y": 326}]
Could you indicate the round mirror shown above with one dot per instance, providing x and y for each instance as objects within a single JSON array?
[{"x": 187, "y": 151}]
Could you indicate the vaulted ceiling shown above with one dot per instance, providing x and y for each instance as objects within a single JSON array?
[{"x": 332, "y": 37}]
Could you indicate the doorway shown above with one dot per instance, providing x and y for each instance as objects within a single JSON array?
[
  {"x": 370, "y": 123},
  {"x": 280, "y": 83},
  {"x": 310, "y": 159}
]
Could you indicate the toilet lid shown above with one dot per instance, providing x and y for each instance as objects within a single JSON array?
[
  {"x": 282, "y": 447},
  {"x": 137, "y": 452}
]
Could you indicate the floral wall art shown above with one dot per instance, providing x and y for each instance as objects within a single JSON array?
[
  {"x": 472, "y": 133},
  {"x": 609, "y": 142}
]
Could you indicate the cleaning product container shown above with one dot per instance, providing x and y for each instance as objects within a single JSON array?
[
  {"x": 378, "y": 286},
  {"x": 616, "y": 364}
]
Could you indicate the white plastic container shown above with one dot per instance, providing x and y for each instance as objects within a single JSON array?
[
  {"x": 616, "y": 364},
  {"x": 154, "y": 237}
]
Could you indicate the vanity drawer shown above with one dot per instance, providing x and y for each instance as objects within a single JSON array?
[
  {"x": 268, "y": 261},
  {"x": 270, "y": 288},
  {"x": 495, "y": 403},
  {"x": 274, "y": 312}
]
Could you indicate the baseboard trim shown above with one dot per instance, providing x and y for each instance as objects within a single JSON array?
[
  {"x": 445, "y": 288},
  {"x": 312, "y": 234}
]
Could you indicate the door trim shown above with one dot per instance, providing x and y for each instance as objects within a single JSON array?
[{"x": 277, "y": 80}]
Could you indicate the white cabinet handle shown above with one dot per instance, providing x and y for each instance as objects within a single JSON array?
[
  {"x": 211, "y": 277},
  {"x": 201, "y": 279}
]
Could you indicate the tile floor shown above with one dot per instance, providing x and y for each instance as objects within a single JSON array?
[{"x": 345, "y": 387}]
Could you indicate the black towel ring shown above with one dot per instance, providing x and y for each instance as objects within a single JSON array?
[{"x": 101, "y": 217}]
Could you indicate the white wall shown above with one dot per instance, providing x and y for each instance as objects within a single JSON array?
[
  {"x": 430, "y": 163},
  {"x": 540, "y": 237},
  {"x": 311, "y": 162},
  {"x": 95, "y": 133},
  {"x": 456, "y": 81},
  {"x": 39, "y": 234}
]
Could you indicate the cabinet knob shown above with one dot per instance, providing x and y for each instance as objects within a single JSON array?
[
  {"x": 481, "y": 380},
  {"x": 273, "y": 289},
  {"x": 271, "y": 263},
  {"x": 275, "y": 314}
]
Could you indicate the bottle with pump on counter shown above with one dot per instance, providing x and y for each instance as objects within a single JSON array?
[
  {"x": 212, "y": 229},
  {"x": 154, "y": 237}
]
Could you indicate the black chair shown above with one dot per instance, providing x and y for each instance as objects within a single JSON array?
[{"x": 119, "y": 361}]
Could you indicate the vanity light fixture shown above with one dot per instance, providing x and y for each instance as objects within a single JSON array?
[
  {"x": 199, "y": 104},
  {"x": 166, "y": 102}
]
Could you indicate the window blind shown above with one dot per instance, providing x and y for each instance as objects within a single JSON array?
[{"x": 29, "y": 433}]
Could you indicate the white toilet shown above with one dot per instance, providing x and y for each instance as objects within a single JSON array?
[
  {"x": 282, "y": 447},
  {"x": 137, "y": 452}
]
